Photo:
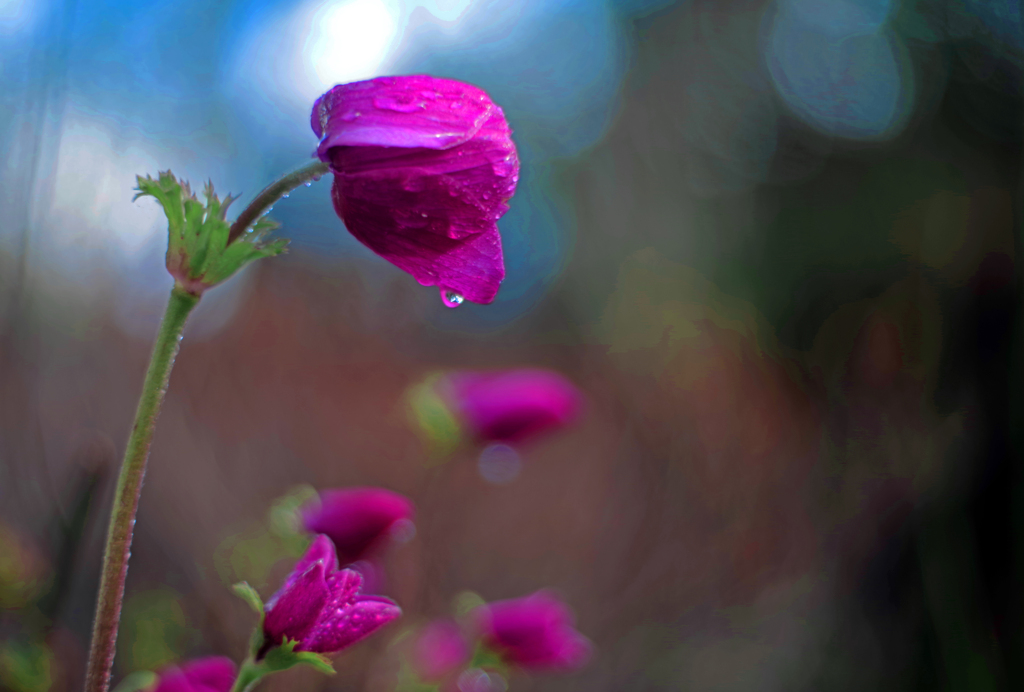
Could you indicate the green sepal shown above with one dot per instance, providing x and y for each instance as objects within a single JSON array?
[
  {"x": 284, "y": 657},
  {"x": 198, "y": 253}
]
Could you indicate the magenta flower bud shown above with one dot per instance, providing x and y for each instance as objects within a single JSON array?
[
  {"x": 439, "y": 650},
  {"x": 510, "y": 406},
  {"x": 423, "y": 169},
  {"x": 359, "y": 521},
  {"x": 321, "y": 606},
  {"x": 534, "y": 632},
  {"x": 211, "y": 674}
]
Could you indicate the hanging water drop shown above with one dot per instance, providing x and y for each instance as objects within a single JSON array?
[
  {"x": 451, "y": 299},
  {"x": 309, "y": 183}
]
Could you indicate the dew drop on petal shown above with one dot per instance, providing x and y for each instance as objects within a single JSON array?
[{"x": 450, "y": 298}]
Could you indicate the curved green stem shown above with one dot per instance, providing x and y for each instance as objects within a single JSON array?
[
  {"x": 129, "y": 485},
  {"x": 273, "y": 192},
  {"x": 249, "y": 675}
]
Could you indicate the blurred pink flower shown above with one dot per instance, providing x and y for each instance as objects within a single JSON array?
[
  {"x": 439, "y": 650},
  {"x": 511, "y": 405},
  {"x": 423, "y": 169},
  {"x": 322, "y": 607},
  {"x": 534, "y": 632},
  {"x": 358, "y": 520},
  {"x": 211, "y": 674}
]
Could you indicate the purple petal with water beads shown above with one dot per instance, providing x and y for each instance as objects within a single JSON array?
[
  {"x": 350, "y": 622},
  {"x": 320, "y": 550},
  {"x": 424, "y": 168},
  {"x": 323, "y": 608},
  {"x": 293, "y": 610},
  {"x": 210, "y": 674}
]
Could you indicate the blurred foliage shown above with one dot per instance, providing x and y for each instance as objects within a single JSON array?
[
  {"x": 251, "y": 554},
  {"x": 25, "y": 667},
  {"x": 154, "y": 630},
  {"x": 23, "y": 571}
]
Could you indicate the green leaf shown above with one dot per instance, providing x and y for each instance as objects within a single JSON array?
[{"x": 249, "y": 595}]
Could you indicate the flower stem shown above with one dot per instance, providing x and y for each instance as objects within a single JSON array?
[
  {"x": 248, "y": 675},
  {"x": 273, "y": 192},
  {"x": 129, "y": 485}
]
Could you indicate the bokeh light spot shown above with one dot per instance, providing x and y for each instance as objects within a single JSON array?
[
  {"x": 840, "y": 72},
  {"x": 499, "y": 464}
]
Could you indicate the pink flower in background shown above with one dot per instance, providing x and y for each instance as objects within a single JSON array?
[
  {"x": 358, "y": 520},
  {"x": 211, "y": 674},
  {"x": 322, "y": 607},
  {"x": 423, "y": 169},
  {"x": 511, "y": 405},
  {"x": 439, "y": 650},
  {"x": 534, "y": 632}
]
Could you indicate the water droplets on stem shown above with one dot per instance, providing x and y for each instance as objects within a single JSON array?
[{"x": 450, "y": 298}]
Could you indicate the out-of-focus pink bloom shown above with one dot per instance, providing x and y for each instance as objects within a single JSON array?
[
  {"x": 358, "y": 520},
  {"x": 423, "y": 169},
  {"x": 512, "y": 405},
  {"x": 439, "y": 650},
  {"x": 322, "y": 607},
  {"x": 534, "y": 632},
  {"x": 211, "y": 674}
]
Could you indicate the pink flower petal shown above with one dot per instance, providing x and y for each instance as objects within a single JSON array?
[
  {"x": 413, "y": 111},
  {"x": 294, "y": 610},
  {"x": 210, "y": 674},
  {"x": 357, "y": 520},
  {"x": 424, "y": 168}
]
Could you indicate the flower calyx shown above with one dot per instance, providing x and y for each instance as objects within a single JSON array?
[{"x": 199, "y": 252}]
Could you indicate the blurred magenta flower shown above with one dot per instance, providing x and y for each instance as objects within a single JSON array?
[
  {"x": 534, "y": 632},
  {"x": 510, "y": 405},
  {"x": 439, "y": 650},
  {"x": 423, "y": 169},
  {"x": 359, "y": 521},
  {"x": 321, "y": 606},
  {"x": 210, "y": 674}
]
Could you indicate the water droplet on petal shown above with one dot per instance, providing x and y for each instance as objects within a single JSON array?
[
  {"x": 451, "y": 299},
  {"x": 309, "y": 183}
]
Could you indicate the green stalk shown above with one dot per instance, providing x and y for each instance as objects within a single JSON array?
[
  {"x": 129, "y": 486},
  {"x": 248, "y": 675},
  {"x": 273, "y": 192},
  {"x": 133, "y": 468}
]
